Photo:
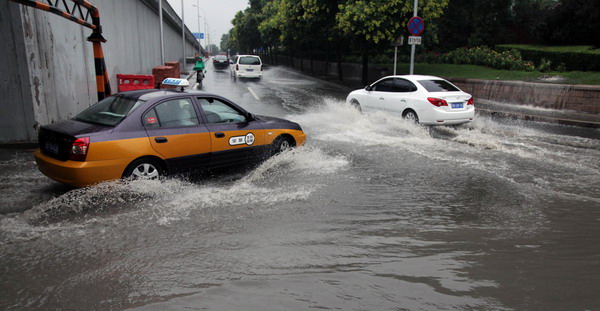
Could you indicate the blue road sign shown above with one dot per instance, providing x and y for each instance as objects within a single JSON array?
[
  {"x": 416, "y": 26},
  {"x": 198, "y": 35}
]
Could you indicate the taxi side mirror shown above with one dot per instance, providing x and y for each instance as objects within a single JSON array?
[
  {"x": 250, "y": 117},
  {"x": 368, "y": 88}
]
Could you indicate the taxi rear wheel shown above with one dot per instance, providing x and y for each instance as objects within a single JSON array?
[
  {"x": 282, "y": 144},
  {"x": 144, "y": 169}
]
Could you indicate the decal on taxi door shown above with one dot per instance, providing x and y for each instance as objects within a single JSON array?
[{"x": 240, "y": 140}]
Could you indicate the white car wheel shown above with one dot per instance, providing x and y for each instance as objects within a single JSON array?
[{"x": 411, "y": 115}]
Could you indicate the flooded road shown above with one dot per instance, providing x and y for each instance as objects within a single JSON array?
[{"x": 374, "y": 213}]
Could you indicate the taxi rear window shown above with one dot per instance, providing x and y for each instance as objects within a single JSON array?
[
  {"x": 438, "y": 86},
  {"x": 109, "y": 111}
]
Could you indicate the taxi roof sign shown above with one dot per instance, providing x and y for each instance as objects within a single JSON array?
[{"x": 176, "y": 82}]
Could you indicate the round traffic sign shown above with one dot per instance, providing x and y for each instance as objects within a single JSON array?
[{"x": 416, "y": 26}]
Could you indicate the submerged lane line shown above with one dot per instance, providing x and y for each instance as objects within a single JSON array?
[{"x": 253, "y": 94}]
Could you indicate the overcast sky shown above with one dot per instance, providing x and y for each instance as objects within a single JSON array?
[{"x": 219, "y": 15}]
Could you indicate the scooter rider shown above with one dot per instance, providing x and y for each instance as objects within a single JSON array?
[{"x": 199, "y": 68}]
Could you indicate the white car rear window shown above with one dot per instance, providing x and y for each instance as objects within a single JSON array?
[
  {"x": 438, "y": 86},
  {"x": 249, "y": 60}
]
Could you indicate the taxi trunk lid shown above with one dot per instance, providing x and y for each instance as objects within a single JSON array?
[{"x": 56, "y": 140}]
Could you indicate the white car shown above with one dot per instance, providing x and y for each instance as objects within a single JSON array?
[
  {"x": 246, "y": 66},
  {"x": 424, "y": 99}
]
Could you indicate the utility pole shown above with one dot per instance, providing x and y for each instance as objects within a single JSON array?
[{"x": 412, "y": 48}]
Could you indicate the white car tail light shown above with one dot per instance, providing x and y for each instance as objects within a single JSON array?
[{"x": 438, "y": 102}]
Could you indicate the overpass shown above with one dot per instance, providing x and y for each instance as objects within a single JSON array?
[{"x": 47, "y": 64}]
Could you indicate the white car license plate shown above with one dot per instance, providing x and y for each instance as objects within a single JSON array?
[
  {"x": 456, "y": 105},
  {"x": 249, "y": 69}
]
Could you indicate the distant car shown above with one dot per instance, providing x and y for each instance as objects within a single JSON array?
[
  {"x": 220, "y": 62},
  {"x": 246, "y": 66},
  {"x": 150, "y": 133},
  {"x": 424, "y": 99}
]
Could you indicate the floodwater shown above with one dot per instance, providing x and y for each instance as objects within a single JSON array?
[{"x": 374, "y": 213}]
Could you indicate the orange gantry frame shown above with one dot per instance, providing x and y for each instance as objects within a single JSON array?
[{"x": 81, "y": 12}]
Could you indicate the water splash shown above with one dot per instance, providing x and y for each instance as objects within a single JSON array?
[
  {"x": 334, "y": 121},
  {"x": 290, "y": 176},
  {"x": 509, "y": 150}
]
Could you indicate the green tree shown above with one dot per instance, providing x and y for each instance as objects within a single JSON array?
[
  {"x": 321, "y": 28},
  {"x": 244, "y": 35},
  {"x": 224, "y": 42},
  {"x": 381, "y": 21},
  {"x": 282, "y": 18},
  {"x": 574, "y": 22},
  {"x": 213, "y": 49}
]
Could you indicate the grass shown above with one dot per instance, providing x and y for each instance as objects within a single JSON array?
[{"x": 486, "y": 73}]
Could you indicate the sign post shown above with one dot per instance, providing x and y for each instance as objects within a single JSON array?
[
  {"x": 415, "y": 28},
  {"x": 396, "y": 44}
]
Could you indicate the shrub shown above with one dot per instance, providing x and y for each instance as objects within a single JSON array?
[
  {"x": 565, "y": 58},
  {"x": 482, "y": 56}
]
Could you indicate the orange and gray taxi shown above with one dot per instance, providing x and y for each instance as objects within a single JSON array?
[{"x": 151, "y": 133}]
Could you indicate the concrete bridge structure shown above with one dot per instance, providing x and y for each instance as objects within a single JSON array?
[{"x": 47, "y": 64}]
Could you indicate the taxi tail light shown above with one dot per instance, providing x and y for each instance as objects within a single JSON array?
[
  {"x": 237, "y": 67},
  {"x": 79, "y": 149},
  {"x": 470, "y": 102},
  {"x": 261, "y": 69},
  {"x": 438, "y": 102}
]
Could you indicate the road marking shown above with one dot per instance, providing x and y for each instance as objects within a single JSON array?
[{"x": 253, "y": 94}]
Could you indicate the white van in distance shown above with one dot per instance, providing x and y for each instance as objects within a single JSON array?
[{"x": 246, "y": 66}]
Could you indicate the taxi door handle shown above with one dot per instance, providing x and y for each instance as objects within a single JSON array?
[
  {"x": 160, "y": 140},
  {"x": 219, "y": 134},
  {"x": 381, "y": 98}
]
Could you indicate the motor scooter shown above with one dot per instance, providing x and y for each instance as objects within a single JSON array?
[{"x": 199, "y": 77}]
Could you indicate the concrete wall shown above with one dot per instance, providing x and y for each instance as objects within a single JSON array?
[
  {"x": 48, "y": 65},
  {"x": 582, "y": 98},
  {"x": 16, "y": 103}
]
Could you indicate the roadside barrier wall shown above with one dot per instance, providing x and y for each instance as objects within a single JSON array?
[{"x": 581, "y": 98}]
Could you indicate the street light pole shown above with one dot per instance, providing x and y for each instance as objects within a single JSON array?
[
  {"x": 205, "y": 27},
  {"x": 199, "y": 46},
  {"x": 183, "y": 38},
  {"x": 206, "y": 43},
  {"x": 162, "y": 38}
]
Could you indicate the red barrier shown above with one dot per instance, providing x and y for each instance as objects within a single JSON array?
[
  {"x": 162, "y": 72},
  {"x": 135, "y": 82},
  {"x": 174, "y": 64}
]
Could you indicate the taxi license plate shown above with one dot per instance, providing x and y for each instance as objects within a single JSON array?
[
  {"x": 51, "y": 147},
  {"x": 456, "y": 105}
]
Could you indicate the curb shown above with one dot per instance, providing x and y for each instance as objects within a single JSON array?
[{"x": 537, "y": 118}]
